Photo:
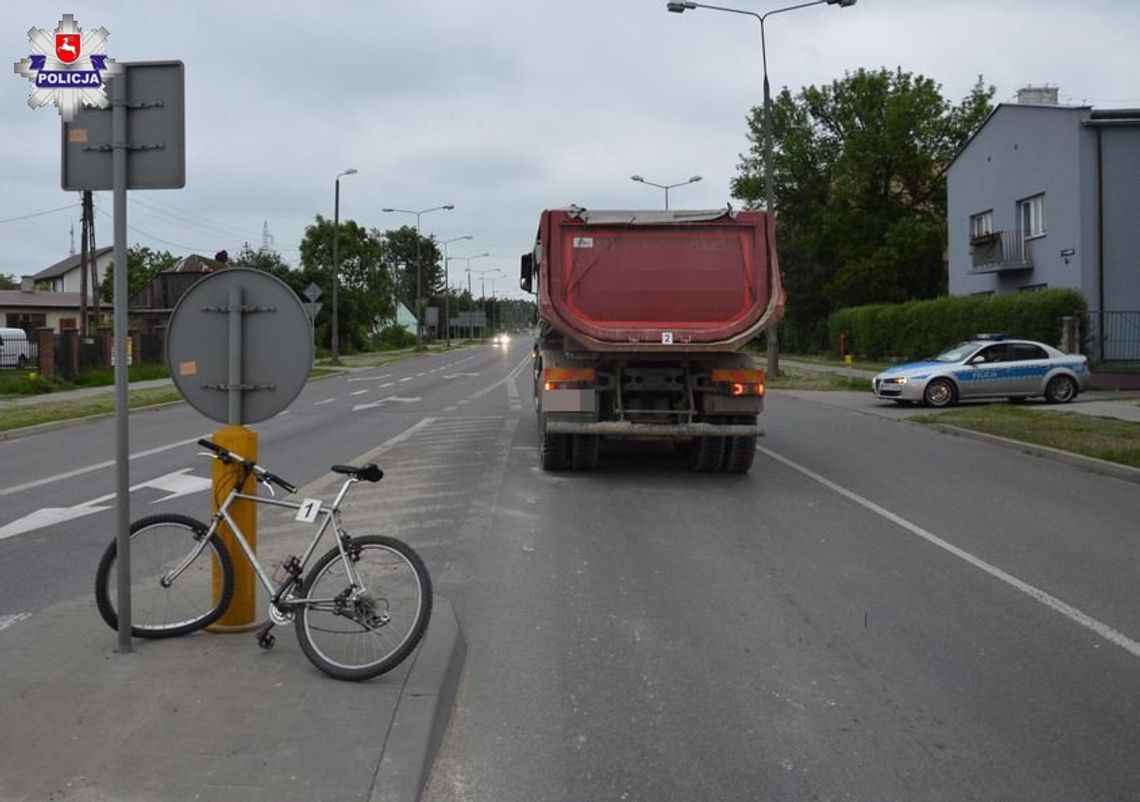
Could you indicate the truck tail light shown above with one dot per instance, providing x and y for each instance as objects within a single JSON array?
[
  {"x": 568, "y": 378},
  {"x": 739, "y": 381}
]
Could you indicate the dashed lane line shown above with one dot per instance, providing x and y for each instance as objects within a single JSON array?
[{"x": 1052, "y": 602}]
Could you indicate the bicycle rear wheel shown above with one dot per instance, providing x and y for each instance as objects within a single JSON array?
[
  {"x": 356, "y": 633},
  {"x": 190, "y": 602}
]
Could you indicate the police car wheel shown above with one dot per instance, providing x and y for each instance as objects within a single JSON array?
[
  {"x": 940, "y": 393},
  {"x": 1060, "y": 390}
]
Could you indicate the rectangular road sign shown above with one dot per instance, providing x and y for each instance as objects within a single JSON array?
[{"x": 156, "y": 133}]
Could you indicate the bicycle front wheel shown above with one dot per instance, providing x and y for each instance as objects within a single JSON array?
[
  {"x": 163, "y": 605},
  {"x": 356, "y": 632}
]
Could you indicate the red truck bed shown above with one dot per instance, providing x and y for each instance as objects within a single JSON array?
[{"x": 658, "y": 281}]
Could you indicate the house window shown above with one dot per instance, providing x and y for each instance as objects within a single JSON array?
[
  {"x": 1031, "y": 216},
  {"x": 981, "y": 224},
  {"x": 1032, "y": 287}
]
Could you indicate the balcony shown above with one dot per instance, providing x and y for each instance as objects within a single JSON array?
[{"x": 1000, "y": 252}]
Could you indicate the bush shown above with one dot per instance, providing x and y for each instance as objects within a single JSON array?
[
  {"x": 393, "y": 337},
  {"x": 917, "y": 329}
]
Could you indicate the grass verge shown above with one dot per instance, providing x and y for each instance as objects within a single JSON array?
[
  {"x": 1102, "y": 438},
  {"x": 795, "y": 379},
  {"x": 18, "y": 417}
]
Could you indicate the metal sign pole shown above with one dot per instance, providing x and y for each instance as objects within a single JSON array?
[
  {"x": 235, "y": 367},
  {"x": 120, "y": 145}
]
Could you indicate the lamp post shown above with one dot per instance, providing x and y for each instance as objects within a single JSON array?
[
  {"x": 679, "y": 7},
  {"x": 447, "y": 287},
  {"x": 468, "y": 259},
  {"x": 494, "y": 306},
  {"x": 419, "y": 270},
  {"x": 484, "y": 275},
  {"x": 665, "y": 187},
  {"x": 335, "y": 343}
]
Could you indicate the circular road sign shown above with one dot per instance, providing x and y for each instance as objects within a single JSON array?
[{"x": 243, "y": 322}]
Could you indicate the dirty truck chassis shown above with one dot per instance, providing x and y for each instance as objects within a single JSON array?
[{"x": 640, "y": 395}]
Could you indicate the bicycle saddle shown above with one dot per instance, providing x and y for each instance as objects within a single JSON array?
[{"x": 368, "y": 473}]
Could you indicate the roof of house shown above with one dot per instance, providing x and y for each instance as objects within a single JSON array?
[
  {"x": 197, "y": 264},
  {"x": 998, "y": 108},
  {"x": 14, "y": 299},
  {"x": 68, "y": 264}
]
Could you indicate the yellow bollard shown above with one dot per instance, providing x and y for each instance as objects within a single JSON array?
[{"x": 239, "y": 616}]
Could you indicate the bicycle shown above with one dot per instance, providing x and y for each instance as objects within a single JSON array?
[{"x": 360, "y": 610}]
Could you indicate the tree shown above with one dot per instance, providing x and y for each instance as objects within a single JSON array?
[
  {"x": 364, "y": 295},
  {"x": 143, "y": 264},
  {"x": 8, "y": 282},
  {"x": 400, "y": 255},
  {"x": 270, "y": 262},
  {"x": 860, "y": 189}
]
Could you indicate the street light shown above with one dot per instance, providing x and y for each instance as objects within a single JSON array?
[
  {"x": 468, "y": 259},
  {"x": 679, "y": 7},
  {"x": 447, "y": 287},
  {"x": 419, "y": 282},
  {"x": 492, "y": 274},
  {"x": 665, "y": 187},
  {"x": 335, "y": 344}
]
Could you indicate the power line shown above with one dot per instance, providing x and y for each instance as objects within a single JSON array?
[
  {"x": 153, "y": 202},
  {"x": 192, "y": 248},
  {"x": 170, "y": 219},
  {"x": 38, "y": 214}
]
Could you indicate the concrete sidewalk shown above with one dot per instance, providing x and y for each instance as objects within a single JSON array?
[{"x": 213, "y": 717}]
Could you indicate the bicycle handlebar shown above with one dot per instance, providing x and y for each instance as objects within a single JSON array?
[{"x": 226, "y": 455}]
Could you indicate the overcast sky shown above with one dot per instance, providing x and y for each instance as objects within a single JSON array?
[{"x": 500, "y": 107}]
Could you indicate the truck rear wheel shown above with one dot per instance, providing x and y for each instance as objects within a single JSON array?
[
  {"x": 584, "y": 452},
  {"x": 740, "y": 451},
  {"x": 707, "y": 454},
  {"x": 553, "y": 449}
]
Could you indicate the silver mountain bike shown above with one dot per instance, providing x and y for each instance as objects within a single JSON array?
[{"x": 358, "y": 611}]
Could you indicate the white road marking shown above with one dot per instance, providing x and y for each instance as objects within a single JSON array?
[
  {"x": 7, "y": 491},
  {"x": 359, "y": 392},
  {"x": 326, "y": 401},
  {"x": 179, "y": 483},
  {"x": 8, "y": 620},
  {"x": 457, "y": 375},
  {"x": 371, "y": 378},
  {"x": 1052, "y": 602},
  {"x": 407, "y": 378},
  {"x": 395, "y": 398},
  {"x": 386, "y": 384}
]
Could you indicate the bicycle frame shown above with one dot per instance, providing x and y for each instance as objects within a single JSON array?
[{"x": 331, "y": 515}]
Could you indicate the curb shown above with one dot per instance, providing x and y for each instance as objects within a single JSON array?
[
  {"x": 1091, "y": 464},
  {"x": 423, "y": 711}
]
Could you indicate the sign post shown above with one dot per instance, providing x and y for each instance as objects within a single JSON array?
[
  {"x": 244, "y": 371},
  {"x": 137, "y": 143}
]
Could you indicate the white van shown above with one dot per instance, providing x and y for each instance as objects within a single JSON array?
[{"x": 14, "y": 349}]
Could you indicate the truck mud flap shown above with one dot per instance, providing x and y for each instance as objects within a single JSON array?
[{"x": 669, "y": 431}]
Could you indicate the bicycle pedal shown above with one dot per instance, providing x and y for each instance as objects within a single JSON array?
[{"x": 266, "y": 641}]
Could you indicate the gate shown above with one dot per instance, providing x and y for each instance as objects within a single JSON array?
[{"x": 1111, "y": 337}]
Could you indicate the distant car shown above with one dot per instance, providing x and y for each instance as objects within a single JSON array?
[
  {"x": 988, "y": 366},
  {"x": 14, "y": 349},
  {"x": 502, "y": 339}
]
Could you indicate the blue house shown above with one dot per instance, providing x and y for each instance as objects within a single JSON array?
[{"x": 1045, "y": 195}]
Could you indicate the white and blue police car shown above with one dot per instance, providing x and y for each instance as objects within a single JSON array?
[{"x": 989, "y": 366}]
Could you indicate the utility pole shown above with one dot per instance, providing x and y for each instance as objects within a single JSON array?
[{"x": 85, "y": 197}]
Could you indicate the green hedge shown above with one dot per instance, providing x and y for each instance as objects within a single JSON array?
[{"x": 918, "y": 329}]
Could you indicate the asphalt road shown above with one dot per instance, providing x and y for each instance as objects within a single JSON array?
[
  {"x": 876, "y": 612},
  {"x": 56, "y": 488}
]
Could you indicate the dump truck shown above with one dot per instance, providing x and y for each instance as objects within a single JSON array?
[{"x": 641, "y": 318}]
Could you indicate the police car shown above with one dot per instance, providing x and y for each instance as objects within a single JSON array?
[{"x": 989, "y": 366}]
